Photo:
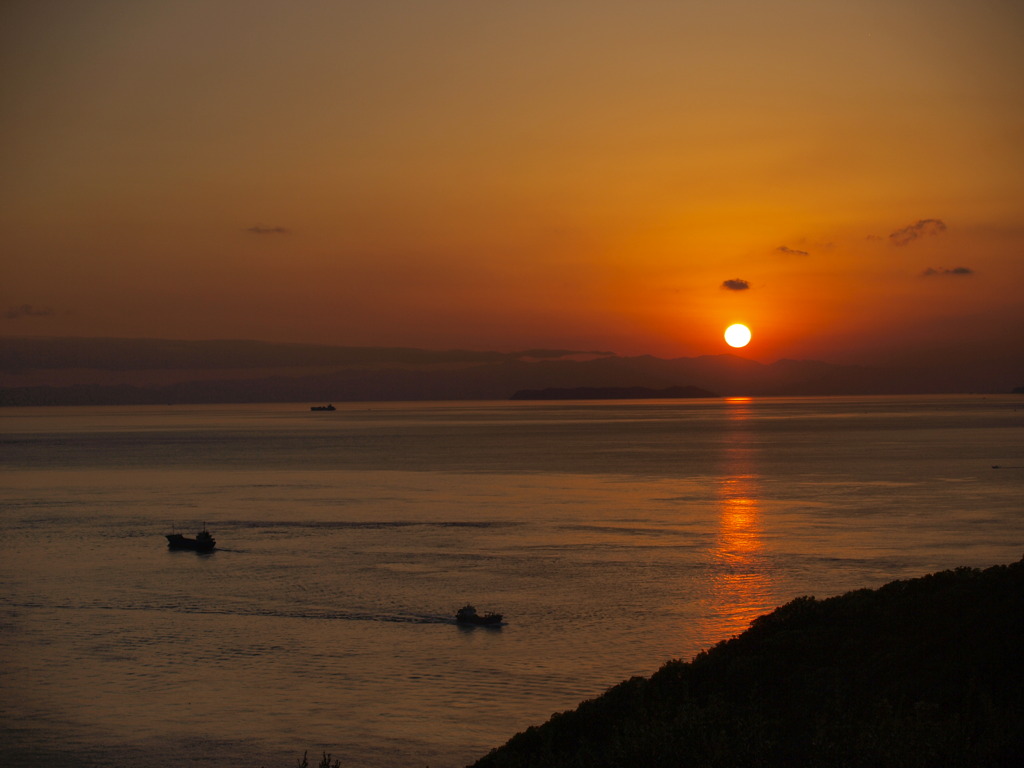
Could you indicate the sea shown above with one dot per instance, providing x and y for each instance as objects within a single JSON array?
[{"x": 612, "y": 535}]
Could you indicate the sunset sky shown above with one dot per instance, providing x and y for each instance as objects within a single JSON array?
[{"x": 845, "y": 177}]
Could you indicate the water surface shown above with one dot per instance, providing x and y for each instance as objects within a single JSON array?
[{"x": 613, "y": 536}]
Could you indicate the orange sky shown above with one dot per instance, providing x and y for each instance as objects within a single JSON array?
[{"x": 579, "y": 174}]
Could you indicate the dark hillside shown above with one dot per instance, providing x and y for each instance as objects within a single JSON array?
[{"x": 927, "y": 672}]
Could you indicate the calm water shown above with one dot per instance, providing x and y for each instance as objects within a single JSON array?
[{"x": 613, "y": 536}]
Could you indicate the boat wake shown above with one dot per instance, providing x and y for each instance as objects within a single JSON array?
[{"x": 323, "y": 614}]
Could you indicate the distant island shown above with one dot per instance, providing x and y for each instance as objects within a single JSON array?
[
  {"x": 104, "y": 371},
  {"x": 925, "y": 672},
  {"x": 610, "y": 393}
]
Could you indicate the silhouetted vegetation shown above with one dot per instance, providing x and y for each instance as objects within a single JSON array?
[
  {"x": 325, "y": 761},
  {"x": 920, "y": 673}
]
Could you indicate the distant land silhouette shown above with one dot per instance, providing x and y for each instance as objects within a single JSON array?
[
  {"x": 86, "y": 371},
  {"x": 610, "y": 393}
]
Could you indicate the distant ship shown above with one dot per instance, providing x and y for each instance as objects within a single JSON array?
[
  {"x": 468, "y": 615},
  {"x": 203, "y": 542},
  {"x": 323, "y": 408}
]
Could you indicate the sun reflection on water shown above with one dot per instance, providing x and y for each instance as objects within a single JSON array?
[{"x": 740, "y": 574}]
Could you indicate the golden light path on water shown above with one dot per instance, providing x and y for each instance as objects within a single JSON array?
[{"x": 741, "y": 583}]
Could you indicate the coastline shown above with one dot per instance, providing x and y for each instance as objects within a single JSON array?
[{"x": 926, "y": 672}]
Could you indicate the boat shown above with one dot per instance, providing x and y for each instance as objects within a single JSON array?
[
  {"x": 203, "y": 542},
  {"x": 468, "y": 615},
  {"x": 328, "y": 407}
]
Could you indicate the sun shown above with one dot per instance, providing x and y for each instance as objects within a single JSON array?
[{"x": 737, "y": 335}]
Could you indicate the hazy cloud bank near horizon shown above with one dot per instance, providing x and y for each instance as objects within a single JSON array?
[
  {"x": 954, "y": 271},
  {"x": 261, "y": 230},
  {"x": 28, "y": 310}
]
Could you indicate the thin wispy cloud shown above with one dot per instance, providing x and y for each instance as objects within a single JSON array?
[
  {"x": 787, "y": 251},
  {"x": 261, "y": 230},
  {"x": 952, "y": 272},
  {"x": 736, "y": 284},
  {"x": 921, "y": 228},
  {"x": 27, "y": 310}
]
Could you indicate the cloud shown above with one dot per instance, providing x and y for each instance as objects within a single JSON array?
[
  {"x": 27, "y": 310},
  {"x": 918, "y": 229},
  {"x": 954, "y": 272},
  {"x": 785, "y": 249},
  {"x": 736, "y": 285},
  {"x": 261, "y": 230}
]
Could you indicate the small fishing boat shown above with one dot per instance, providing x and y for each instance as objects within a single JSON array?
[
  {"x": 203, "y": 542},
  {"x": 468, "y": 615}
]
